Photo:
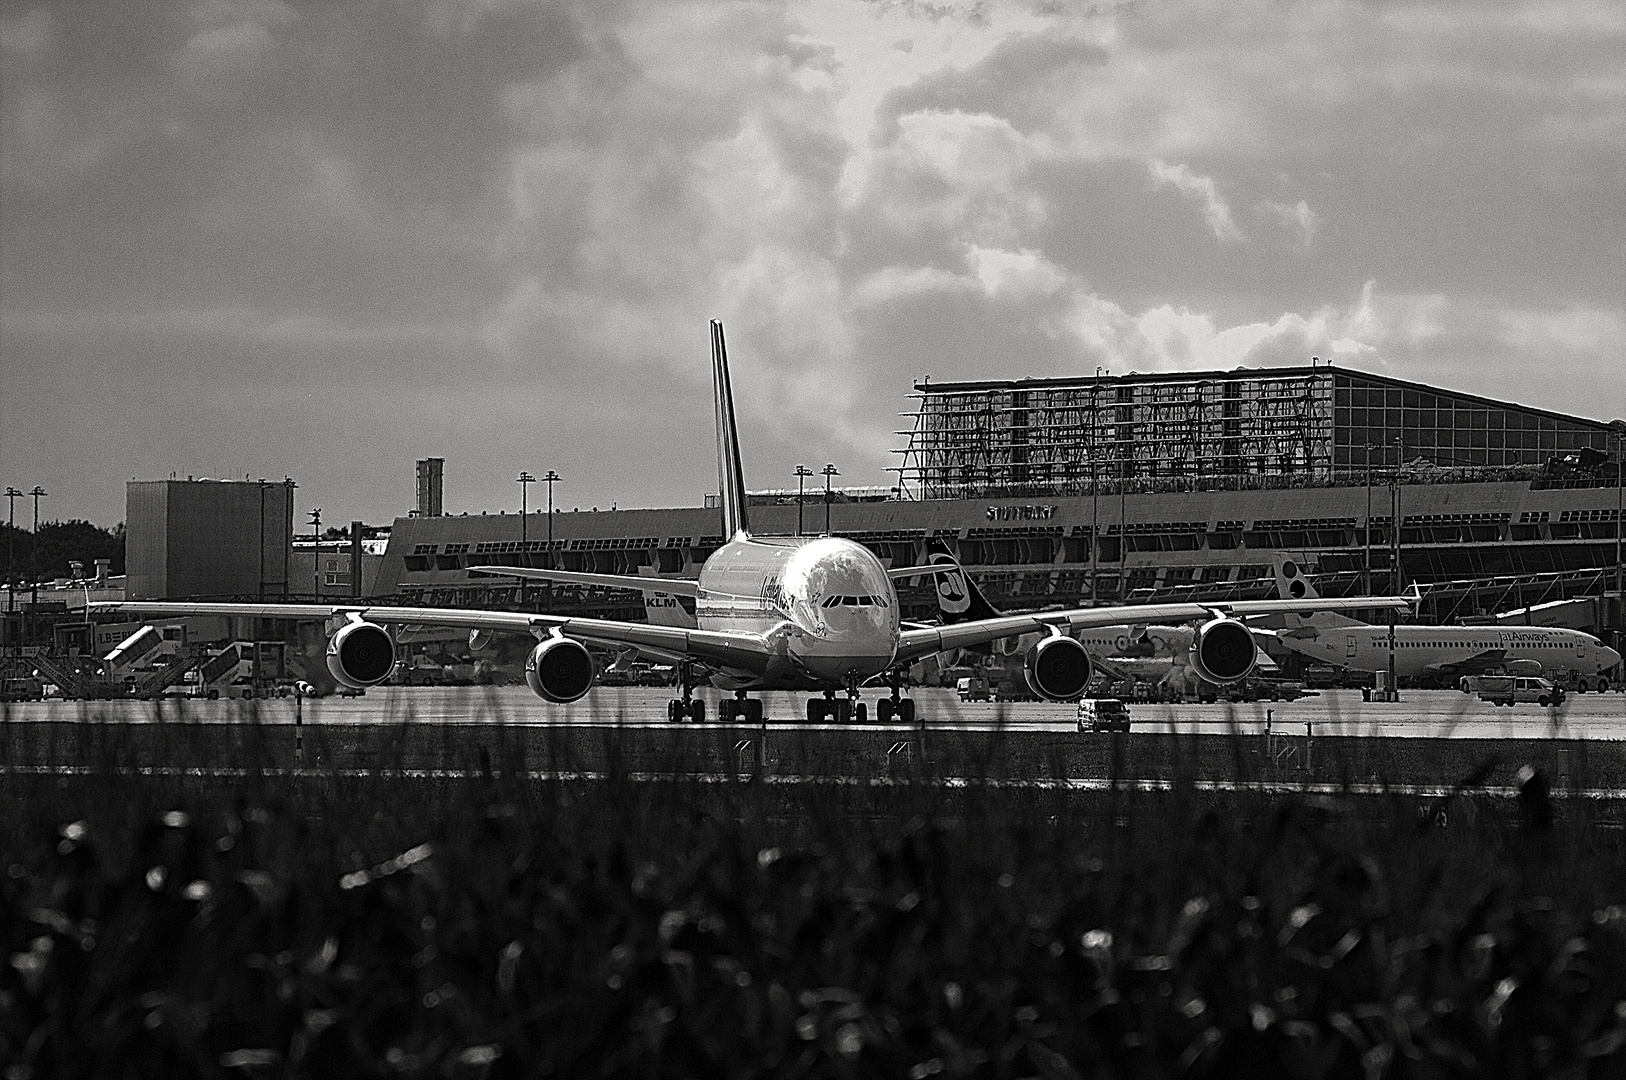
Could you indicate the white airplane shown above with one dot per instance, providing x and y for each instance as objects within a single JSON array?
[
  {"x": 813, "y": 614},
  {"x": 1442, "y": 652}
]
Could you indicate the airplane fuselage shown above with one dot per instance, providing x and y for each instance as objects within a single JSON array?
[
  {"x": 1445, "y": 650},
  {"x": 826, "y": 602}
]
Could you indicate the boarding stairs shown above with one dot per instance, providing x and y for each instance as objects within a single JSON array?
[
  {"x": 159, "y": 679},
  {"x": 73, "y": 682}
]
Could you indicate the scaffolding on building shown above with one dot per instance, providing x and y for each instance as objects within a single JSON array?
[{"x": 1072, "y": 437}]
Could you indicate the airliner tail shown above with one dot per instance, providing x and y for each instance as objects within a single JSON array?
[
  {"x": 1291, "y": 584},
  {"x": 958, "y": 598},
  {"x": 730, "y": 478}
]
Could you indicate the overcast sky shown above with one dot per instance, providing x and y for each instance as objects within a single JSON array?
[{"x": 325, "y": 239}]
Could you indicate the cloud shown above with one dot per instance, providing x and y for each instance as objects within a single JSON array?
[
  {"x": 1298, "y": 218},
  {"x": 1201, "y": 190},
  {"x": 521, "y": 215}
]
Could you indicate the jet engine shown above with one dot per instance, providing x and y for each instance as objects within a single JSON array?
[
  {"x": 1057, "y": 668},
  {"x": 559, "y": 670},
  {"x": 1223, "y": 651},
  {"x": 361, "y": 654}
]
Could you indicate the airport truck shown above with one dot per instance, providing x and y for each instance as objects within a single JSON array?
[
  {"x": 1103, "y": 714},
  {"x": 972, "y": 688},
  {"x": 1510, "y": 690},
  {"x": 419, "y": 670}
]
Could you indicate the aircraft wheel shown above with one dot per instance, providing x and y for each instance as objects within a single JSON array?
[
  {"x": 860, "y": 712},
  {"x": 841, "y": 711},
  {"x": 674, "y": 711},
  {"x": 883, "y": 711},
  {"x": 697, "y": 711},
  {"x": 906, "y": 711},
  {"x": 815, "y": 710},
  {"x": 753, "y": 711}
]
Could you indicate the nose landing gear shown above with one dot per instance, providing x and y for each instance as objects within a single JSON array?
[{"x": 828, "y": 708}]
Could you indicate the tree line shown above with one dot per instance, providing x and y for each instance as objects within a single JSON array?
[{"x": 60, "y": 542}]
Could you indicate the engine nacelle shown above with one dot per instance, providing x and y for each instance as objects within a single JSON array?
[
  {"x": 1223, "y": 651},
  {"x": 1057, "y": 668},
  {"x": 559, "y": 670},
  {"x": 361, "y": 654}
]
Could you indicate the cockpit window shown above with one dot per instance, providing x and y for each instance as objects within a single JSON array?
[{"x": 864, "y": 600}]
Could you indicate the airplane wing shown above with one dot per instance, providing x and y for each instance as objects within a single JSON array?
[
  {"x": 897, "y": 573},
  {"x": 734, "y": 652},
  {"x": 675, "y": 586},
  {"x": 913, "y": 644},
  {"x": 1473, "y": 665}
]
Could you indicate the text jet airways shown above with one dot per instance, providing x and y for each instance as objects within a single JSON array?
[{"x": 816, "y": 614}]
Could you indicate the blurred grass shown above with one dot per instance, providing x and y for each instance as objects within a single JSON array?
[{"x": 340, "y": 925}]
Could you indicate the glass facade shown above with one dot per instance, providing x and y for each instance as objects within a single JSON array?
[
  {"x": 1273, "y": 427},
  {"x": 1446, "y": 430}
]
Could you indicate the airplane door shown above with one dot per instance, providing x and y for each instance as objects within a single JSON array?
[{"x": 1349, "y": 646}]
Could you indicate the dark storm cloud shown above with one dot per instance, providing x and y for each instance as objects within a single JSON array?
[{"x": 325, "y": 240}]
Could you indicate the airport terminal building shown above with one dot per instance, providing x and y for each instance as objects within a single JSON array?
[{"x": 1137, "y": 487}]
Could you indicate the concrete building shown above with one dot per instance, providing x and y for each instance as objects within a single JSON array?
[
  {"x": 431, "y": 486},
  {"x": 208, "y": 539},
  {"x": 336, "y": 570}
]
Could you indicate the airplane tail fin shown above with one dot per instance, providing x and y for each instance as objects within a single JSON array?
[
  {"x": 1291, "y": 584},
  {"x": 730, "y": 478},
  {"x": 665, "y": 608},
  {"x": 958, "y": 598}
]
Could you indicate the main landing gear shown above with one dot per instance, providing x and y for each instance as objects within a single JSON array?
[
  {"x": 830, "y": 709},
  {"x": 895, "y": 707},
  {"x": 740, "y": 708},
  {"x": 687, "y": 707}
]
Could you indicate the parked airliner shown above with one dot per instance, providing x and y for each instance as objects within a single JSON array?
[
  {"x": 1440, "y": 652},
  {"x": 772, "y": 613}
]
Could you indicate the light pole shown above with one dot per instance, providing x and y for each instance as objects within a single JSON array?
[
  {"x": 802, "y": 473},
  {"x": 1366, "y": 562},
  {"x": 1125, "y": 464},
  {"x": 1391, "y": 691},
  {"x": 548, "y": 478},
  {"x": 524, "y": 480},
  {"x": 1619, "y": 429},
  {"x": 12, "y": 495},
  {"x": 33, "y": 559},
  {"x": 259, "y": 586},
  {"x": 316, "y": 552},
  {"x": 1095, "y": 489},
  {"x": 829, "y": 471}
]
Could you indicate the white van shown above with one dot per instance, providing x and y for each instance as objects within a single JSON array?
[{"x": 1103, "y": 714}]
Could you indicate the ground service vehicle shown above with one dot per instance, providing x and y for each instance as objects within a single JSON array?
[
  {"x": 419, "y": 670},
  {"x": 1103, "y": 714},
  {"x": 1518, "y": 690},
  {"x": 972, "y": 688}
]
